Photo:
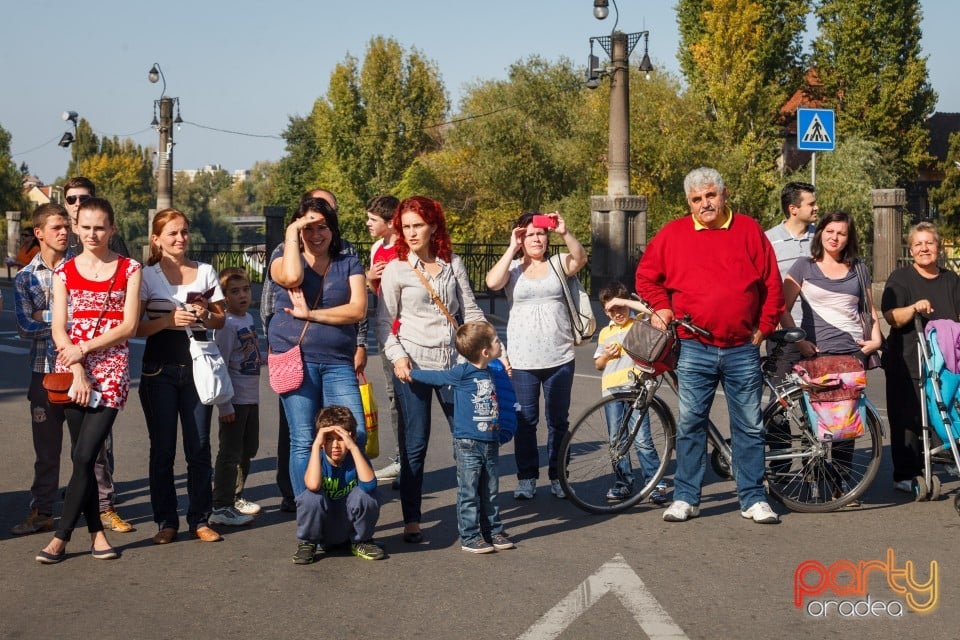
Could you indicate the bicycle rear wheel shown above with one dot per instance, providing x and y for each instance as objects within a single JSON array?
[
  {"x": 590, "y": 465},
  {"x": 810, "y": 476}
]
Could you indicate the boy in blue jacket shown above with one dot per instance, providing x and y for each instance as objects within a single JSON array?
[
  {"x": 340, "y": 502},
  {"x": 476, "y": 437}
]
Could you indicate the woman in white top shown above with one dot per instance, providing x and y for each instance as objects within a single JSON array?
[
  {"x": 177, "y": 292},
  {"x": 540, "y": 338},
  {"x": 425, "y": 336}
]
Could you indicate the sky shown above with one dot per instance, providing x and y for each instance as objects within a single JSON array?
[{"x": 247, "y": 66}]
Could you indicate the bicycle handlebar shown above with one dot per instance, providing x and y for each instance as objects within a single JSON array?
[{"x": 684, "y": 322}]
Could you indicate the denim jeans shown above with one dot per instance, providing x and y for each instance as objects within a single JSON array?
[
  {"x": 323, "y": 385},
  {"x": 642, "y": 444},
  {"x": 350, "y": 519},
  {"x": 415, "y": 422},
  {"x": 699, "y": 369},
  {"x": 557, "y": 383},
  {"x": 167, "y": 393},
  {"x": 477, "y": 485}
]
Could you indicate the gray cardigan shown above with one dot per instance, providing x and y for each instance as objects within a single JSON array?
[{"x": 425, "y": 335}]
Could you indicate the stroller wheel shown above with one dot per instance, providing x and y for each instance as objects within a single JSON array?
[
  {"x": 934, "y": 488},
  {"x": 920, "y": 491}
]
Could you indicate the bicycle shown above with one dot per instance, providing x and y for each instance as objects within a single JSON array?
[{"x": 801, "y": 471}]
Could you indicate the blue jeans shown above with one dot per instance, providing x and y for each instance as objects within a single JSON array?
[
  {"x": 557, "y": 384},
  {"x": 350, "y": 519},
  {"x": 699, "y": 369},
  {"x": 323, "y": 385},
  {"x": 167, "y": 394},
  {"x": 414, "y": 427},
  {"x": 642, "y": 444},
  {"x": 477, "y": 485}
]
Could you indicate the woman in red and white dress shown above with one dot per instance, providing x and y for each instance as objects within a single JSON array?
[{"x": 103, "y": 291}]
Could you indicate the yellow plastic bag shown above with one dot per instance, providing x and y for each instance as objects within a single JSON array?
[{"x": 370, "y": 416}]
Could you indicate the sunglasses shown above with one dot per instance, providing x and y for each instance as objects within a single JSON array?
[{"x": 82, "y": 198}]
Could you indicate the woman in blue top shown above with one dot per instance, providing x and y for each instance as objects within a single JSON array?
[{"x": 327, "y": 290}]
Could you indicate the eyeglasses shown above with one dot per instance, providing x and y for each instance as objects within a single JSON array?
[{"x": 83, "y": 197}]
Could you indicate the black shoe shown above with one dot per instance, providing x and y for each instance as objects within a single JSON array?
[
  {"x": 306, "y": 553},
  {"x": 288, "y": 505}
]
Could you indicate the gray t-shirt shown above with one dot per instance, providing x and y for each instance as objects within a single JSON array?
[
  {"x": 788, "y": 249},
  {"x": 831, "y": 308},
  {"x": 538, "y": 331}
]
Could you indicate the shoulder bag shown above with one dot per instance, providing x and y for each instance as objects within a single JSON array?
[
  {"x": 210, "y": 374},
  {"x": 866, "y": 317},
  {"x": 582, "y": 321},
  {"x": 436, "y": 299},
  {"x": 57, "y": 385}
]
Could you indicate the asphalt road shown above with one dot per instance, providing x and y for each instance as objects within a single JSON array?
[{"x": 573, "y": 575}]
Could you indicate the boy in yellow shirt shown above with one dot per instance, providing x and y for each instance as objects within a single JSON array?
[{"x": 616, "y": 366}]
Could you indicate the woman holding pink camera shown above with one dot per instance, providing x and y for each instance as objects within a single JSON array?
[{"x": 540, "y": 338}]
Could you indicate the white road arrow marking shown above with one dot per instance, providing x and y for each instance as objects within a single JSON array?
[{"x": 614, "y": 576}]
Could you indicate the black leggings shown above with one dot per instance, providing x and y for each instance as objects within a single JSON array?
[{"x": 89, "y": 429}]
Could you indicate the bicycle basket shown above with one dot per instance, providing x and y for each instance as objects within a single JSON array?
[{"x": 652, "y": 350}]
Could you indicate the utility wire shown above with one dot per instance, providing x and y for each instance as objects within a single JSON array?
[
  {"x": 40, "y": 146},
  {"x": 236, "y": 133}
]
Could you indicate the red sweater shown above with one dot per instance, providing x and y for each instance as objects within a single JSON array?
[{"x": 726, "y": 279}]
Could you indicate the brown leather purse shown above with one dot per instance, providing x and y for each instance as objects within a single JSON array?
[{"x": 56, "y": 385}]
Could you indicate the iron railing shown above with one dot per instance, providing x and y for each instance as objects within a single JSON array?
[{"x": 477, "y": 258}]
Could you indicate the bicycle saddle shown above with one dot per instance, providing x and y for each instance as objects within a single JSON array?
[{"x": 788, "y": 336}]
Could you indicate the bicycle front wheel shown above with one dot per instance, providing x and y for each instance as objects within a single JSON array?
[
  {"x": 810, "y": 476},
  {"x": 616, "y": 453}
]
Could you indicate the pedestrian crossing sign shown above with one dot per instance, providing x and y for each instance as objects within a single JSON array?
[{"x": 816, "y": 130}]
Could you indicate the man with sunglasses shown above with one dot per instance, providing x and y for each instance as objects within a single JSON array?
[{"x": 75, "y": 191}]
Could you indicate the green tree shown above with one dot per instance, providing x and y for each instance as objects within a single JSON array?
[
  {"x": 294, "y": 173},
  {"x": 206, "y": 201},
  {"x": 945, "y": 199},
  {"x": 868, "y": 59},
  {"x": 744, "y": 62},
  {"x": 374, "y": 122},
  {"x": 123, "y": 173},
  {"x": 11, "y": 181},
  {"x": 523, "y": 143}
]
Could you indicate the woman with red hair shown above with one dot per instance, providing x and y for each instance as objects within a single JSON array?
[{"x": 425, "y": 275}]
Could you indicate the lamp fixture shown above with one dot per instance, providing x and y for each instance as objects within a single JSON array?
[
  {"x": 156, "y": 74},
  {"x": 70, "y": 116},
  {"x": 66, "y": 139},
  {"x": 601, "y": 9},
  {"x": 645, "y": 65}
]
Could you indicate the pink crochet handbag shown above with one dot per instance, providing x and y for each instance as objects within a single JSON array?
[{"x": 286, "y": 369}]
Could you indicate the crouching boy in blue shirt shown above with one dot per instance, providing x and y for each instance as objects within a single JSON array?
[
  {"x": 340, "y": 502},
  {"x": 476, "y": 437}
]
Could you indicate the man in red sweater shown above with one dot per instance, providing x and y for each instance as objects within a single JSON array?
[{"x": 720, "y": 268}]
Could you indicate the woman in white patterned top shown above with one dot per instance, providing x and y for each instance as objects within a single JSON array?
[{"x": 540, "y": 338}]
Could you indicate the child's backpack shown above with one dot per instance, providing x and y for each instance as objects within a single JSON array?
[{"x": 506, "y": 400}]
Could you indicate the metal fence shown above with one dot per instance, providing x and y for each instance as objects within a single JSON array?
[{"x": 477, "y": 258}]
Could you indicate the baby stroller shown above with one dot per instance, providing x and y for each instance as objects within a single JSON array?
[{"x": 940, "y": 409}]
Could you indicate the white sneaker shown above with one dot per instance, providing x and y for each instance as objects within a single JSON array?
[
  {"x": 762, "y": 513},
  {"x": 904, "y": 485},
  {"x": 680, "y": 511},
  {"x": 388, "y": 472},
  {"x": 557, "y": 489},
  {"x": 525, "y": 490},
  {"x": 230, "y": 517},
  {"x": 246, "y": 507}
]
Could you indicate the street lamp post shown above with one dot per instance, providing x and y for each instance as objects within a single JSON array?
[
  {"x": 164, "y": 126},
  {"x": 618, "y": 219},
  {"x": 68, "y": 139}
]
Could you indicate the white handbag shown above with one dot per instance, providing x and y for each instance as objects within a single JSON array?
[{"x": 210, "y": 375}]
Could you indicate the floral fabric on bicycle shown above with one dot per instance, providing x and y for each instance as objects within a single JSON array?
[{"x": 836, "y": 401}]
